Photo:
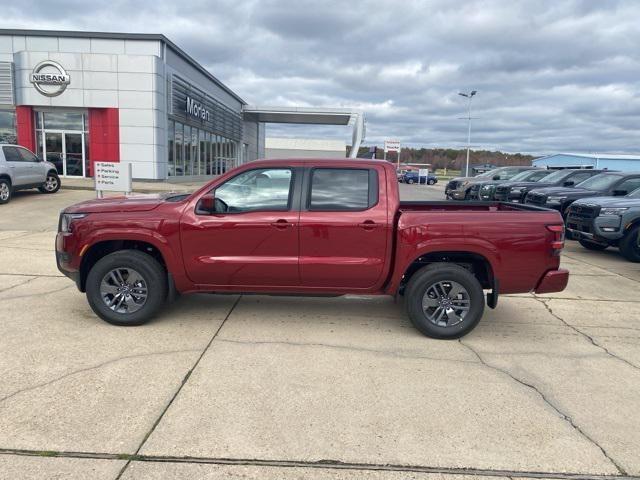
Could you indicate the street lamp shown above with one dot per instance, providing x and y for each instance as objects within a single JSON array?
[{"x": 469, "y": 96}]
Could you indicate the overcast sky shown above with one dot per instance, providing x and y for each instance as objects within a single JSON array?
[{"x": 551, "y": 75}]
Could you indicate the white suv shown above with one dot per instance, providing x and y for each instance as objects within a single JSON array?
[{"x": 21, "y": 169}]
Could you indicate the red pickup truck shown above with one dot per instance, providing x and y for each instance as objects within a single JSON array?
[{"x": 309, "y": 227}]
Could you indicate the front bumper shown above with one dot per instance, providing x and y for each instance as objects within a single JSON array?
[
  {"x": 553, "y": 281},
  {"x": 66, "y": 263},
  {"x": 455, "y": 194},
  {"x": 607, "y": 228}
]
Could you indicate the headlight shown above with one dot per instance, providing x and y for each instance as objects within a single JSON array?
[
  {"x": 555, "y": 199},
  {"x": 613, "y": 211},
  {"x": 518, "y": 189},
  {"x": 66, "y": 221},
  {"x": 465, "y": 183}
]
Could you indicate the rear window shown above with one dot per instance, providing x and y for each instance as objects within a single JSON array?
[{"x": 343, "y": 189}]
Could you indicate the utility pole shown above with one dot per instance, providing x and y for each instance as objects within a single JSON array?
[{"x": 469, "y": 96}]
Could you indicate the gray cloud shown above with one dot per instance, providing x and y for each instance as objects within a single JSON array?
[{"x": 551, "y": 75}]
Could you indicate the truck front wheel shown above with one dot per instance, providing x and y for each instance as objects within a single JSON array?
[
  {"x": 630, "y": 245},
  {"x": 126, "y": 288},
  {"x": 444, "y": 301}
]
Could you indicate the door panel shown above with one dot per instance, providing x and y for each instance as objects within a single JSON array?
[
  {"x": 54, "y": 152},
  {"x": 252, "y": 239},
  {"x": 20, "y": 170},
  {"x": 344, "y": 248},
  {"x": 73, "y": 154}
]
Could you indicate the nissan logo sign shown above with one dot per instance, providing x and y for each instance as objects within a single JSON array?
[{"x": 49, "y": 78}]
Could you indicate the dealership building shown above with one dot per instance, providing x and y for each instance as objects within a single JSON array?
[{"x": 75, "y": 98}]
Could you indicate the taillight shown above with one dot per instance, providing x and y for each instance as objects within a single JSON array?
[{"x": 558, "y": 238}]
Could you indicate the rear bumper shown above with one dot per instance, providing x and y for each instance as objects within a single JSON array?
[{"x": 553, "y": 281}]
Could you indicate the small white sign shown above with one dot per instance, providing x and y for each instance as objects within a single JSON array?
[
  {"x": 392, "y": 145},
  {"x": 112, "y": 177},
  {"x": 423, "y": 172}
]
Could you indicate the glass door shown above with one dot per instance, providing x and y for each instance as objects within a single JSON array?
[
  {"x": 73, "y": 154},
  {"x": 54, "y": 152}
]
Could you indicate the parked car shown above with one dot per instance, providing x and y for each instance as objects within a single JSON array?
[
  {"x": 607, "y": 184},
  {"x": 516, "y": 191},
  {"x": 598, "y": 223},
  {"x": 484, "y": 191},
  {"x": 20, "y": 169},
  {"x": 459, "y": 187},
  {"x": 337, "y": 227},
  {"x": 411, "y": 177}
]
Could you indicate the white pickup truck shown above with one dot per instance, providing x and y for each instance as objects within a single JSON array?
[{"x": 21, "y": 169}]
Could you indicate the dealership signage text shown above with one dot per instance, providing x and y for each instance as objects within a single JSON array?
[{"x": 196, "y": 109}]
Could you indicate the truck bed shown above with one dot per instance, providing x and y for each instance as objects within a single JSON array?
[{"x": 451, "y": 206}]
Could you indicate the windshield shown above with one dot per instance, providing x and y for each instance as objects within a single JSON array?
[
  {"x": 530, "y": 175},
  {"x": 558, "y": 175},
  {"x": 599, "y": 182},
  {"x": 635, "y": 193}
]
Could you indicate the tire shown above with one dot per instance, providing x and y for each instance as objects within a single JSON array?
[
  {"x": 445, "y": 277},
  {"x": 5, "y": 191},
  {"x": 51, "y": 184},
  {"x": 126, "y": 263},
  {"x": 410, "y": 181},
  {"x": 430, "y": 182},
  {"x": 589, "y": 245},
  {"x": 630, "y": 245}
]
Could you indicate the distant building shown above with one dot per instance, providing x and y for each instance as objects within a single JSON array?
[
  {"x": 481, "y": 168},
  {"x": 304, "y": 148},
  {"x": 611, "y": 161}
]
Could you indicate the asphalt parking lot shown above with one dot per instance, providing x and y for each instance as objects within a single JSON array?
[{"x": 258, "y": 387}]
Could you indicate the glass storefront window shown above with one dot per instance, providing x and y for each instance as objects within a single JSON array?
[
  {"x": 187, "y": 151},
  {"x": 179, "y": 169},
  {"x": 194, "y": 151},
  {"x": 171, "y": 159},
  {"x": 61, "y": 120},
  {"x": 203, "y": 153},
  {"x": 8, "y": 126}
]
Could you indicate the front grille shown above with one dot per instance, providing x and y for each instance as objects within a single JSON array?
[
  {"x": 452, "y": 185},
  {"x": 584, "y": 212},
  {"x": 503, "y": 190},
  {"x": 537, "y": 199},
  {"x": 579, "y": 226}
]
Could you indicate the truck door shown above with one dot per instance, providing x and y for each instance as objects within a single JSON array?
[
  {"x": 252, "y": 239},
  {"x": 344, "y": 227}
]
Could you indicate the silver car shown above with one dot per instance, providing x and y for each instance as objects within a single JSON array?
[{"x": 21, "y": 169}]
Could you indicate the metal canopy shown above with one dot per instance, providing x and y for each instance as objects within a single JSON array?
[{"x": 310, "y": 116}]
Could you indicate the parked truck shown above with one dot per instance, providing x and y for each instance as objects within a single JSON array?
[
  {"x": 598, "y": 223},
  {"x": 309, "y": 227}
]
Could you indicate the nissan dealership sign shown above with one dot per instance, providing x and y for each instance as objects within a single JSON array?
[{"x": 49, "y": 78}]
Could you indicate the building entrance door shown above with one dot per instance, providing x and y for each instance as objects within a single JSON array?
[{"x": 66, "y": 151}]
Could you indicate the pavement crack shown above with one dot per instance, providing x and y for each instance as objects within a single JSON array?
[
  {"x": 38, "y": 294},
  {"x": 585, "y": 335},
  {"x": 18, "y": 284},
  {"x": 179, "y": 389},
  {"x": 344, "y": 347},
  {"x": 88, "y": 369},
  {"x": 551, "y": 405}
]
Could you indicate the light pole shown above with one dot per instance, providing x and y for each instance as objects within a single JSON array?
[{"x": 469, "y": 96}]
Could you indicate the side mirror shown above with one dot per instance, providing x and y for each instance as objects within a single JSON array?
[
  {"x": 569, "y": 183},
  {"x": 206, "y": 205},
  {"x": 619, "y": 193}
]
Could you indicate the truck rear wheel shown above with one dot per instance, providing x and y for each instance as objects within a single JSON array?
[
  {"x": 444, "y": 301},
  {"x": 589, "y": 245},
  {"x": 126, "y": 288},
  {"x": 630, "y": 245}
]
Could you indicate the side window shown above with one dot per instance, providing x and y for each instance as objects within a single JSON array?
[
  {"x": 11, "y": 154},
  {"x": 343, "y": 189},
  {"x": 265, "y": 189},
  {"x": 629, "y": 185},
  {"x": 26, "y": 155},
  {"x": 580, "y": 177}
]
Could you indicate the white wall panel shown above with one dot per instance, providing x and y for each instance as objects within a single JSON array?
[
  {"x": 78, "y": 45},
  {"x": 69, "y": 61},
  {"x": 6, "y": 44},
  {"x": 100, "y": 80},
  {"x": 135, "y": 99},
  {"x": 136, "y": 64},
  {"x": 142, "y": 47},
  {"x": 107, "y": 45},
  {"x": 101, "y": 98},
  {"x": 137, "y": 135},
  {"x": 100, "y": 62},
  {"x": 135, "y": 81},
  {"x": 42, "y": 44},
  {"x": 132, "y": 117}
]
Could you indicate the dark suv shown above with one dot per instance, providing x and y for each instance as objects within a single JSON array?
[
  {"x": 608, "y": 184},
  {"x": 516, "y": 192},
  {"x": 485, "y": 191},
  {"x": 598, "y": 223}
]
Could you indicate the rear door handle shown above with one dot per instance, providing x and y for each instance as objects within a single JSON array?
[
  {"x": 281, "y": 224},
  {"x": 369, "y": 225}
]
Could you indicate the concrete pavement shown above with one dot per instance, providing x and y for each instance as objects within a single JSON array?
[{"x": 281, "y": 387}]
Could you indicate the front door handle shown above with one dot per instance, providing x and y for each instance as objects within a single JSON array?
[
  {"x": 281, "y": 224},
  {"x": 369, "y": 225}
]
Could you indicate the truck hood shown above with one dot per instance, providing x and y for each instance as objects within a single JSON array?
[
  {"x": 125, "y": 203},
  {"x": 461, "y": 180},
  {"x": 526, "y": 184},
  {"x": 610, "y": 202},
  {"x": 567, "y": 192}
]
